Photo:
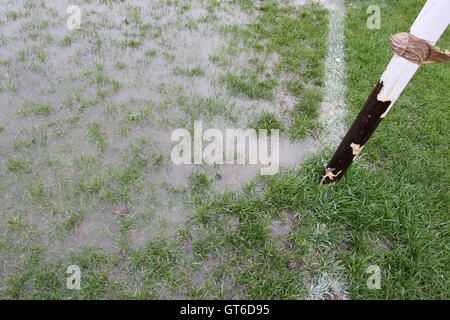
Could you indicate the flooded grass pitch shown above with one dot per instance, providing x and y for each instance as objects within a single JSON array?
[{"x": 86, "y": 117}]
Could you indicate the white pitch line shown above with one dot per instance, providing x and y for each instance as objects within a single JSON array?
[
  {"x": 333, "y": 108},
  {"x": 332, "y": 118}
]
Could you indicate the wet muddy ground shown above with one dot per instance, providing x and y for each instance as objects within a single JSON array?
[{"x": 86, "y": 117}]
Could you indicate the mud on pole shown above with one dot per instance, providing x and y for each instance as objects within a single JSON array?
[{"x": 411, "y": 49}]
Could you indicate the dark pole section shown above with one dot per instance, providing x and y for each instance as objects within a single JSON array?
[{"x": 356, "y": 137}]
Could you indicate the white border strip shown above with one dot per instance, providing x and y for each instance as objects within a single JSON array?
[{"x": 333, "y": 109}]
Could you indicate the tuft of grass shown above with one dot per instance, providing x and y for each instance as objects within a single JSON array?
[
  {"x": 200, "y": 182},
  {"x": 106, "y": 86},
  {"x": 268, "y": 121},
  {"x": 96, "y": 135},
  {"x": 209, "y": 108},
  {"x": 66, "y": 41},
  {"x": 131, "y": 43},
  {"x": 74, "y": 219},
  {"x": 250, "y": 85},
  {"x": 126, "y": 224},
  {"x": 37, "y": 108},
  {"x": 194, "y": 72},
  {"x": 151, "y": 53},
  {"x": 120, "y": 65},
  {"x": 18, "y": 165}
]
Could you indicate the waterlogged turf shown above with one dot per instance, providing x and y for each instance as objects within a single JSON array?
[
  {"x": 86, "y": 177},
  {"x": 86, "y": 122}
]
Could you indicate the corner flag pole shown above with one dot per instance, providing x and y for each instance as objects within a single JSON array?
[{"x": 411, "y": 49}]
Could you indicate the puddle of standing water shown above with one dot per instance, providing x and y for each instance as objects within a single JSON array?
[{"x": 138, "y": 46}]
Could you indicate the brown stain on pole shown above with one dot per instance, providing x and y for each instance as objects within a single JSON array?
[
  {"x": 362, "y": 128},
  {"x": 416, "y": 50}
]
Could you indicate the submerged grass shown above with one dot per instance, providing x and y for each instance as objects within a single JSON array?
[
  {"x": 284, "y": 41},
  {"x": 282, "y": 237}
]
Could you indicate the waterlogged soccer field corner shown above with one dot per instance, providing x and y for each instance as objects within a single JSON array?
[{"x": 101, "y": 104}]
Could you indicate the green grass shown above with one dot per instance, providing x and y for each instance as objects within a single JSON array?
[
  {"x": 208, "y": 109},
  {"x": 194, "y": 72},
  {"x": 74, "y": 219},
  {"x": 409, "y": 197},
  {"x": 277, "y": 237},
  {"x": 390, "y": 209},
  {"x": 35, "y": 108},
  {"x": 150, "y": 53},
  {"x": 267, "y": 121},
  {"x": 297, "y": 38},
  {"x": 96, "y": 135},
  {"x": 17, "y": 165},
  {"x": 250, "y": 85}
]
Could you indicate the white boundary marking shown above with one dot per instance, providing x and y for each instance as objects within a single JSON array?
[{"x": 333, "y": 108}]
